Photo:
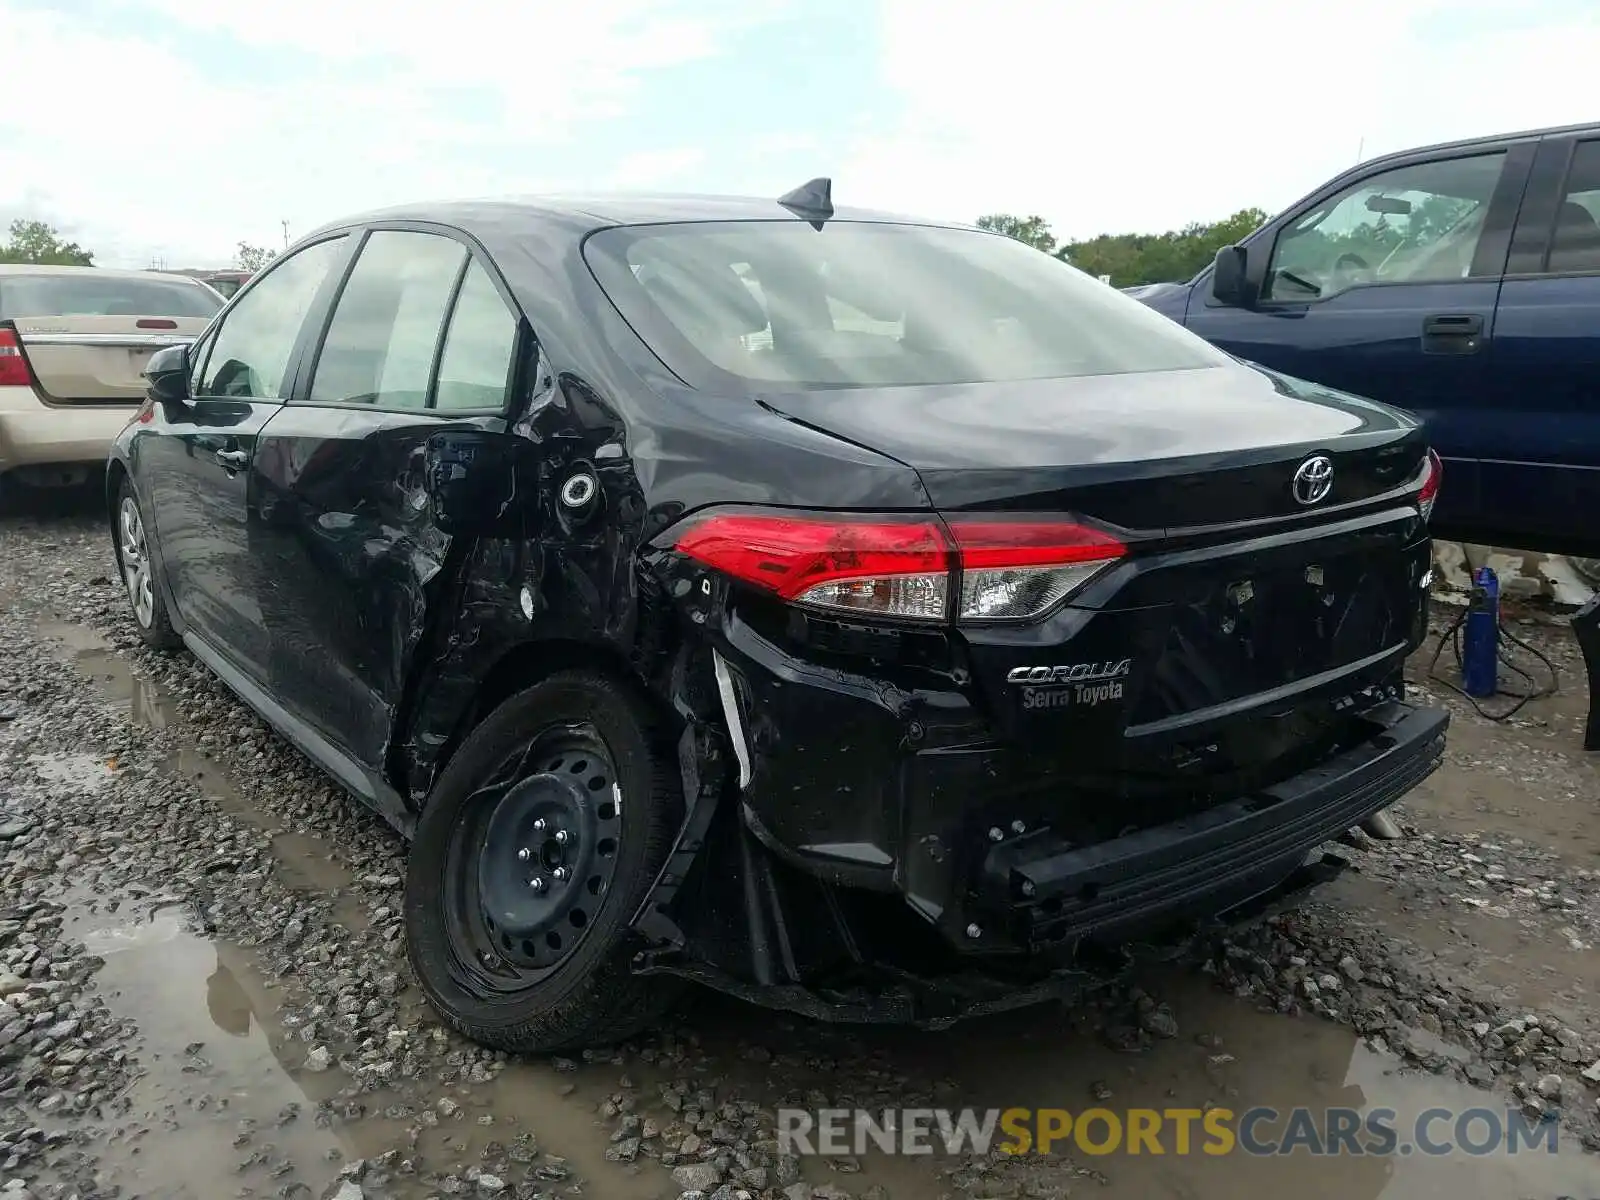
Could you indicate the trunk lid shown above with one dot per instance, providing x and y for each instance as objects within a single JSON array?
[
  {"x": 1243, "y": 622},
  {"x": 1155, "y": 452},
  {"x": 99, "y": 359}
]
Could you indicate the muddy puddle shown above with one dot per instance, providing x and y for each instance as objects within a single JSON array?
[
  {"x": 215, "y": 1108},
  {"x": 303, "y": 861},
  {"x": 1230, "y": 1055}
]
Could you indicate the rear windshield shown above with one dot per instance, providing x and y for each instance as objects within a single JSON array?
[
  {"x": 91, "y": 296},
  {"x": 778, "y": 304}
]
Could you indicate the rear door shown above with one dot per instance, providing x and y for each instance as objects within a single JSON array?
[
  {"x": 196, "y": 471},
  {"x": 89, "y": 333},
  {"x": 421, "y": 339},
  {"x": 1541, "y": 462},
  {"x": 1385, "y": 285}
]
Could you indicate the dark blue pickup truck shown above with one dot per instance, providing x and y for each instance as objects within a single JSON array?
[{"x": 1461, "y": 282}]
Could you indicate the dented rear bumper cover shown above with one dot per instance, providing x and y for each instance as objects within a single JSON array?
[
  {"x": 864, "y": 784},
  {"x": 1049, "y": 891}
]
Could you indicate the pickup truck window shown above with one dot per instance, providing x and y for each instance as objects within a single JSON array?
[
  {"x": 1417, "y": 223},
  {"x": 1575, "y": 239}
]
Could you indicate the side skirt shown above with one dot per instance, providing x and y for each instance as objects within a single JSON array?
[{"x": 364, "y": 785}]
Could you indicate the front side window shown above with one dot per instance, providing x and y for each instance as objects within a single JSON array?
[
  {"x": 863, "y": 304},
  {"x": 1415, "y": 224},
  {"x": 380, "y": 345},
  {"x": 251, "y": 353}
]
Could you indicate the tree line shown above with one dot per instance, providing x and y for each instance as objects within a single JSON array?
[
  {"x": 1134, "y": 258},
  {"x": 1128, "y": 258},
  {"x": 42, "y": 243},
  {"x": 38, "y": 242}
]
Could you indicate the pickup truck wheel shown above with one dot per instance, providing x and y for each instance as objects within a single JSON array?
[
  {"x": 138, "y": 574},
  {"x": 537, "y": 845}
]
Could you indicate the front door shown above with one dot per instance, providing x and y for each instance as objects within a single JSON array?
[
  {"x": 199, "y": 479},
  {"x": 421, "y": 339},
  {"x": 1386, "y": 287}
]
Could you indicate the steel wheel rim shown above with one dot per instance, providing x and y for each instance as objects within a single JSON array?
[
  {"x": 136, "y": 562},
  {"x": 503, "y": 934}
]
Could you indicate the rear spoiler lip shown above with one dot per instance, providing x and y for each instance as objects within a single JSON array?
[{"x": 51, "y": 401}]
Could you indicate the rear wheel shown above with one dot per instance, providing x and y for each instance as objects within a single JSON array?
[
  {"x": 138, "y": 573},
  {"x": 539, "y": 842}
]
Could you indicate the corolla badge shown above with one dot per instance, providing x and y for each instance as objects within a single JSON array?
[
  {"x": 1314, "y": 480},
  {"x": 1068, "y": 673}
]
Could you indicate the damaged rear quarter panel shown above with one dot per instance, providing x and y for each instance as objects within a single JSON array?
[{"x": 572, "y": 592}]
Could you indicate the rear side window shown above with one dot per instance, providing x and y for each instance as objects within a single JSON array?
[
  {"x": 380, "y": 346},
  {"x": 251, "y": 354},
  {"x": 1575, "y": 237},
  {"x": 91, "y": 295},
  {"x": 862, "y": 304},
  {"x": 475, "y": 370}
]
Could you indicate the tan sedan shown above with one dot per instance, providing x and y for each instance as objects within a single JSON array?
[{"x": 73, "y": 342}]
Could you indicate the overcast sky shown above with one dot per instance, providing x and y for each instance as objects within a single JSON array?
[{"x": 173, "y": 129}]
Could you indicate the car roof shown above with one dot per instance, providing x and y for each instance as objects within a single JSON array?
[
  {"x": 1521, "y": 135},
  {"x": 98, "y": 272},
  {"x": 583, "y": 213}
]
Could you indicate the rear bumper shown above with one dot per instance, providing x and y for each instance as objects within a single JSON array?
[
  {"x": 864, "y": 785},
  {"x": 1045, "y": 892},
  {"x": 33, "y": 434}
]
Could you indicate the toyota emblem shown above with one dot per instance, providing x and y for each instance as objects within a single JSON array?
[{"x": 1314, "y": 480}]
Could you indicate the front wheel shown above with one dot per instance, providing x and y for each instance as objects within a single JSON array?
[
  {"x": 138, "y": 573},
  {"x": 538, "y": 843}
]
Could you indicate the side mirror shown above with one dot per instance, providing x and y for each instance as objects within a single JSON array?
[
  {"x": 481, "y": 483},
  {"x": 1230, "y": 281},
  {"x": 167, "y": 375}
]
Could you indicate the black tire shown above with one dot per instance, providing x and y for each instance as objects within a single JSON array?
[
  {"x": 131, "y": 544},
  {"x": 590, "y": 996}
]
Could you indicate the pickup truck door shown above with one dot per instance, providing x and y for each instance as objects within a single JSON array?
[
  {"x": 1384, "y": 283},
  {"x": 1542, "y": 472}
]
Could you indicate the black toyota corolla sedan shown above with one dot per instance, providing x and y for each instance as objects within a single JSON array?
[{"x": 866, "y": 616}]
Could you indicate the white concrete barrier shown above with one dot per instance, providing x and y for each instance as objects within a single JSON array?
[{"x": 1524, "y": 574}]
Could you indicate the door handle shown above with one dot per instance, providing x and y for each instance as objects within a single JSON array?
[
  {"x": 233, "y": 460},
  {"x": 1452, "y": 333}
]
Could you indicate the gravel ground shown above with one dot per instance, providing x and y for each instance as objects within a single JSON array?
[{"x": 203, "y": 989}]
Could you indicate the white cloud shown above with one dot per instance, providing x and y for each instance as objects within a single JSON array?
[
  {"x": 155, "y": 153},
  {"x": 1134, "y": 114},
  {"x": 659, "y": 169},
  {"x": 1147, "y": 114}
]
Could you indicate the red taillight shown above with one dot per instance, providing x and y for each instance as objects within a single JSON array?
[
  {"x": 889, "y": 567},
  {"x": 1009, "y": 570},
  {"x": 156, "y": 323},
  {"x": 1432, "y": 476},
  {"x": 985, "y": 544},
  {"x": 13, "y": 367}
]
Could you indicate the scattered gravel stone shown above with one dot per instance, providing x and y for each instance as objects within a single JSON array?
[{"x": 697, "y": 1177}]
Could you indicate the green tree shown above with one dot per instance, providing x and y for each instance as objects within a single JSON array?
[
  {"x": 253, "y": 258},
  {"x": 1035, "y": 231},
  {"x": 1172, "y": 257},
  {"x": 38, "y": 242}
]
